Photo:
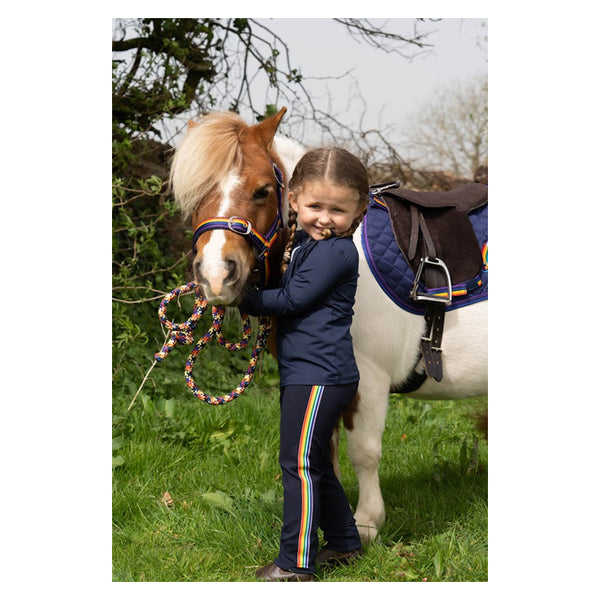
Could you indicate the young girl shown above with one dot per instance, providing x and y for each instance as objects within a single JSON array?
[{"x": 319, "y": 378}]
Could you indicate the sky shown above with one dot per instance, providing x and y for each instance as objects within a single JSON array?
[{"x": 393, "y": 87}]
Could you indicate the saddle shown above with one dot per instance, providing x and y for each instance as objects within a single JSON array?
[{"x": 435, "y": 235}]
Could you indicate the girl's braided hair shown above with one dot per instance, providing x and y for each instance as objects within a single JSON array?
[{"x": 335, "y": 165}]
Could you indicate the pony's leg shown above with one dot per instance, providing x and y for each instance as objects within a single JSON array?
[{"x": 364, "y": 430}]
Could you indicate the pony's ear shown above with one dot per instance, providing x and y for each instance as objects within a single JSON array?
[{"x": 265, "y": 130}]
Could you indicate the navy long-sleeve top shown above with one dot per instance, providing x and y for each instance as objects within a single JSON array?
[{"x": 314, "y": 310}]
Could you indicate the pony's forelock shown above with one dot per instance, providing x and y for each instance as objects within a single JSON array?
[{"x": 209, "y": 151}]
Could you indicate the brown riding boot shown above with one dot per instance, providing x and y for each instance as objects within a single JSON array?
[{"x": 272, "y": 572}]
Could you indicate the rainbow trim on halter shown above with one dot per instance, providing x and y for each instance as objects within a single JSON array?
[
  {"x": 310, "y": 416},
  {"x": 237, "y": 225}
]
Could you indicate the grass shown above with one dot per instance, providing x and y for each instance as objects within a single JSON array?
[{"x": 197, "y": 492}]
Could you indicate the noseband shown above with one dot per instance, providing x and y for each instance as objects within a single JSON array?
[{"x": 262, "y": 243}]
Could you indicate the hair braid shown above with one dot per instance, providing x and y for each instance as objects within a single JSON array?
[
  {"x": 287, "y": 253},
  {"x": 355, "y": 224}
]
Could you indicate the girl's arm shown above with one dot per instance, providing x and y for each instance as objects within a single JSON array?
[{"x": 322, "y": 269}]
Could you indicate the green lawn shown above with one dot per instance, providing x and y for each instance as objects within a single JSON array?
[{"x": 197, "y": 492}]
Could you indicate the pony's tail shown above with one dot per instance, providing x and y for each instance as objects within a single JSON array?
[
  {"x": 481, "y": 421},
  {"x": 479, "y": 416}
]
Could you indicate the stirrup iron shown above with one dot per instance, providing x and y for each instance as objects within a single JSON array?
[{"x": 417, "y": 296}]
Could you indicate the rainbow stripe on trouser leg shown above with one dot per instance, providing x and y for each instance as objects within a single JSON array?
[
  {"x": 304, "y": 473},
  {"x": 312, "y": 495}
]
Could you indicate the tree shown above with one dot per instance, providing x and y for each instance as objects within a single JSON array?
[
  {"x": 168, "y": 69},
  {"x": 451, "y": 131},
  {"x": 164, "y": 72}
]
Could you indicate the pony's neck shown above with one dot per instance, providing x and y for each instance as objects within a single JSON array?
[{"x": 289, "y": 152}]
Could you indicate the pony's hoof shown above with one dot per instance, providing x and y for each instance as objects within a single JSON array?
[{"x": 368, "y": 533}]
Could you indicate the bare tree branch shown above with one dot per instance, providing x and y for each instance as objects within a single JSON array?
[{"x": 375, "y": 35}]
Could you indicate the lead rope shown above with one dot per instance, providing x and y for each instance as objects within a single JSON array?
[{"x": 183, "y": 334}]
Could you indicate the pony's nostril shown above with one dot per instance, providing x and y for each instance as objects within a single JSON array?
[
  {"x": 198, "y": 276},
  {"x": 232, "y": 271}
]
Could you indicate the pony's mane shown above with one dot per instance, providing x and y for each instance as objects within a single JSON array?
[{"x": 207, "y": 153}]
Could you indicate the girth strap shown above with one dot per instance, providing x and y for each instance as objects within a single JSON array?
[{"x": 431, "y": 342}]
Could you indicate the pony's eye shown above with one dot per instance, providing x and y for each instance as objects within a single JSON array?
[{"x": 262, "y": 193}]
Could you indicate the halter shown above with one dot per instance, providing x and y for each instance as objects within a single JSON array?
[{"x": 262, "y": 243}]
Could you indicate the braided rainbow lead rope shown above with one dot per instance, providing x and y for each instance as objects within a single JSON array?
[{"x": 182, "y": 333}]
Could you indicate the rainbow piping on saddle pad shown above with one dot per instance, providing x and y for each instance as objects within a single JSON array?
[{"x": 462, "y": 289}]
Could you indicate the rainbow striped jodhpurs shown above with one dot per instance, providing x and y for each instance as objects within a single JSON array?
[{"x": 312, "y": 495}]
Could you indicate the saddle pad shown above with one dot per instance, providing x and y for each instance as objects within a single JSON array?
[{"x": 395, "y": 276}]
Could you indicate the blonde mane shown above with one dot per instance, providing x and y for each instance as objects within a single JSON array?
[{"x": 209, "y": 150}]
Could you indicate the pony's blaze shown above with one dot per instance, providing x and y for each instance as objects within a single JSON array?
[{"x": 223, "y": 258}]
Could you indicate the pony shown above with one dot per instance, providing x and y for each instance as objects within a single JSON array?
[{"x": 230, "y": 178}]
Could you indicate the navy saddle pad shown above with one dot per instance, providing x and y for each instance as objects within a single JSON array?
[{"x": 394, "y": 274}]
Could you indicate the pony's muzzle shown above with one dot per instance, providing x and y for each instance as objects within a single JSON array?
[{"x": 220, "y": 282}]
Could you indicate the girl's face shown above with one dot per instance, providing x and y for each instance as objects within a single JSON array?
[{"x": 323, "y": 205}]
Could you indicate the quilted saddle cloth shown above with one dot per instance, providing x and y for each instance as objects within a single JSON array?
[{"x": 395, "y": 276}]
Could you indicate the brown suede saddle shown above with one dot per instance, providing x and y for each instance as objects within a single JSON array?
[{"x": 436, "y": 238}]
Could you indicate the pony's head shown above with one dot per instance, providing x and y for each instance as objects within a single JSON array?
[{"x": 226, "y": 175}]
